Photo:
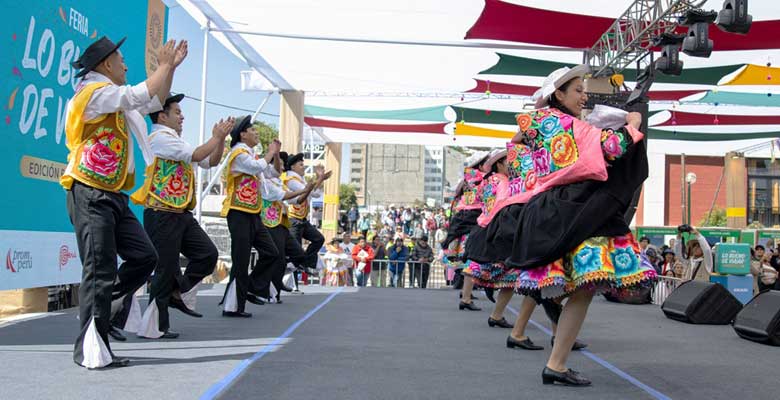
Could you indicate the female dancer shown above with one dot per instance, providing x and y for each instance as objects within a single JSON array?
[
  {"x": 571, "y": 239},
  {"x": 486, "y": 273},
  {"x": 467, "y": 209},
  {"x": 485, "y": 264}
]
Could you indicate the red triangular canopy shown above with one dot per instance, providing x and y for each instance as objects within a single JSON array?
[{"x": 516, "y": 23}]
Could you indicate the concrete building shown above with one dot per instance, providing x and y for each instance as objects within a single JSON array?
[{"x": 385, "y": 174}]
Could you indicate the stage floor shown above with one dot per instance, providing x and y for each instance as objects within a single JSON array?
[{"x": 386, "y": 344}]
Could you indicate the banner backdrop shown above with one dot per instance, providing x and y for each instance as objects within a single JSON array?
[{"x": 39, "y": 40}]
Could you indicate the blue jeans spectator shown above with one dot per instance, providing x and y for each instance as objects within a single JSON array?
[{"x": 397, "y": 276}]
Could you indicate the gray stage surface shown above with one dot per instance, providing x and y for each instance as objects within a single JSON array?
[{"x": 387, "y": 344}]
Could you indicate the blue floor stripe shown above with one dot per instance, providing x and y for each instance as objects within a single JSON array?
[
  {"x": 617, "y": 371},
  {"x": 218, "y": 387}
]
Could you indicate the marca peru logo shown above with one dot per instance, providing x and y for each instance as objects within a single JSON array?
[
  {"x": 15, "y": 261},
  {"x": 65, "y": 255}
]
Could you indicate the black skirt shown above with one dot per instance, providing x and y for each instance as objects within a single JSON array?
[
  {"x": 554, "y": 222},
  {"x": 460, "y": 224},
  {"x": 493, "y": 243}
]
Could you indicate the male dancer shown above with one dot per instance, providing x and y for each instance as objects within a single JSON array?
[
  {"x": 168, "y": 197},
  {"x": 298, "y": 209},
  {"x": 268, "y": 281},
  {"x": 100, "y": 167},
  {"x": 242, "y": 207}
]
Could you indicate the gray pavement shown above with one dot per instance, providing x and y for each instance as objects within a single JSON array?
[{"x": 387, "y": 344}]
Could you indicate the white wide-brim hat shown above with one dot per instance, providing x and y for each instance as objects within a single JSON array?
[
  {"x": 494, "y": 156},
  {"x": 476, "y": 158},
  {"x": 459, "y": 186},
  {"x": 555, "y": 80}
]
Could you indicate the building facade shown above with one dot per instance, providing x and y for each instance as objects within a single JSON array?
[{"x": 752, "y": 178}]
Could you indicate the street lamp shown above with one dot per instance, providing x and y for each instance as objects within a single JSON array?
[{"x": 690, "y": 179}]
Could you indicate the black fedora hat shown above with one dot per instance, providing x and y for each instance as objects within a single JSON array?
[
  {"x": 240, "y": 126},
  {"x": 291, "y": 160},
  {"x": 170, "y": 100},
  {"x": 95, "y": 54}
]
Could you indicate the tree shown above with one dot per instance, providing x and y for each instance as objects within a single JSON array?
[
  {"x": 347, "y": 197},
  {"x": 267, "y": 133},
  {"x": 716, "y": 218}
]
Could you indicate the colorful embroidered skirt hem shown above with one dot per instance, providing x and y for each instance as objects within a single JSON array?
[
  {"x": 600, "y": 264},
  {"x": 492, "y": 275}
]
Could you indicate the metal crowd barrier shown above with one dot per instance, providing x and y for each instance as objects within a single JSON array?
[
  {"x": 409, "y": 274},
  {"x": 664, "y": 287}
]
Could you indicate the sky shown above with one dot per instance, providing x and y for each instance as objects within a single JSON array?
[{"x": 223, "y": 84}]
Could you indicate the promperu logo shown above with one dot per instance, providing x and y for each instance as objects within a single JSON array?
[
  {"x": 65, "y": 255},
  {"x": 16, "y": 261}
]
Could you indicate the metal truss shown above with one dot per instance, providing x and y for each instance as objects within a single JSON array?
[{"x": 631, "y": 35}]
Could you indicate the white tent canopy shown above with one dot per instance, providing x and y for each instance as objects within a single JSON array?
[{"x": 365, "y": 76}]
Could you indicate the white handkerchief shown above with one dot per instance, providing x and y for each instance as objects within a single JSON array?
[{"x": 605, "y": 117}]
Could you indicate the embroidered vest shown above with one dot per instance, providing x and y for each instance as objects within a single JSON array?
[
  {"x": 273, "y": 213},
  {"x": 558, "y": 150},
  {"x": 295, "y": 210},
  {"x": 169, "y": 186},
  {"x": 98, "y": 148},
  {"x": 469, "y": 200},
  {"x": 243, "y": 190}
]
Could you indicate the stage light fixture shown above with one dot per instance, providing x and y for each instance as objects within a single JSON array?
[
  {"x": 734, "y": 17},
  {"x": 698, "y": 43},
  {"x": 669, "y": 63}
]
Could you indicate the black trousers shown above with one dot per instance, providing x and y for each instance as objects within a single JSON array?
[
  {"x": 105, "y": 227},
  {"x": 271, "y": 270},
  {"x": 172, "y": 234},
  {"x": 419, "y": 271},
  {"x": 302, "y": 229},
  {"x": 246, "y": 231}
]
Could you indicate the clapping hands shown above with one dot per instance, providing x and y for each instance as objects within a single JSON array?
[
  {"x": 222, "y": 128},
  {"x": 171, "y": 54},
  {"x": 274, "y": 147}
]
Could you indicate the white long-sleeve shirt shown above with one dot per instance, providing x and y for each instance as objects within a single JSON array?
[
  {"x": 167, "y": 144},
  {"x": 135, "y": 101},
  {"x": 295, "y": 186},
  {"x": 247, "y": 163},
  {"x": 706, "y": 250},
  {"x": 271, "y": 189}
]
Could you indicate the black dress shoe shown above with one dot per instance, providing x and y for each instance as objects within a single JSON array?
[
  {"x": 254, "y": 300},
  {"x": 169, "y": 335},
  {"x": 568, "y": 378},
  {"x": 116, "y": 334},
  {"x": 468, "y": 306},
  {"x": 236, "y": 314},
  {"x": 286, "y": 289},
  {"x": 119, "y": 362},
  {"x": 489, "y": 295},
  {"x": 278, "y": 300},
  {"x": 576, "y": 346},
  {"x": 179, "y": 305},
  {"x": 526, "y": 344},
  {"x": 501, "y": 323}
]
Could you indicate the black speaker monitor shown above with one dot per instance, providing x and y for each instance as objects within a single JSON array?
[
  {"x": 759, "y": 321},
  {"x": 699, "y": 302}
]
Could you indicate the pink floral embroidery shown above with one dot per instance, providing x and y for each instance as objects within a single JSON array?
[
  {"x": 612, "y": 146},
  {"x": 100, "y": 159},
  {"x": 271, "y": 213},
  {"x": 542, "y": 162}
]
